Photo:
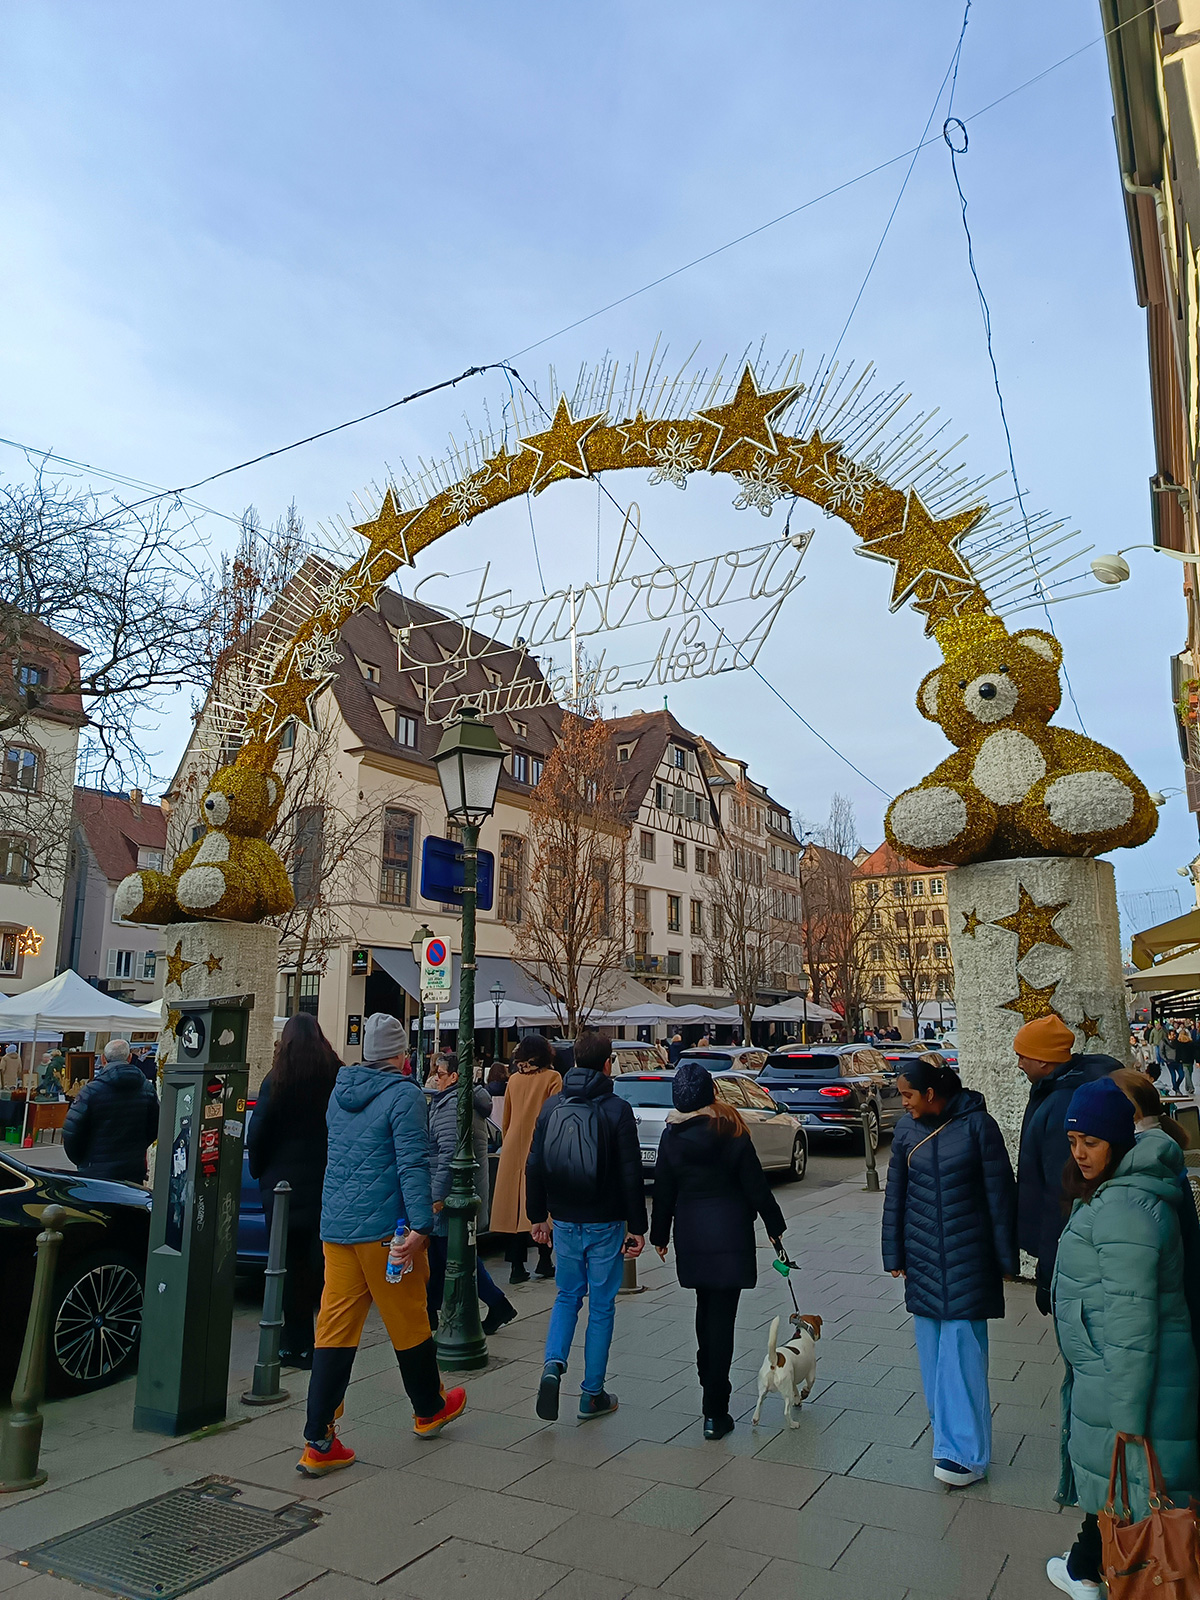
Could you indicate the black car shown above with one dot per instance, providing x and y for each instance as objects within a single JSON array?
[
  {"x": 96, "y": 1308},
  {"x": 828, "y": 1086}
]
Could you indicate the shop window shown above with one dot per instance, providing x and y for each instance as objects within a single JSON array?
[
  {"x": 395, "y": 876},
  {"x": 302, "y": 993}
]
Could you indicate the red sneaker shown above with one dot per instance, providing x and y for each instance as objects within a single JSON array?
[
  {"x": 453, "y": 1406},
  {"x": 315, "y": 1463}
]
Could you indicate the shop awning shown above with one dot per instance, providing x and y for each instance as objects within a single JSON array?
[
  {"x": 518, "y": 989},
  {"x": 1164, "y": 937},
  {"x": 1181, "y": 972}
]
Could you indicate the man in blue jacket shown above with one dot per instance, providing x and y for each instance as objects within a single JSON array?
[
  {"x": 377, "y": 1172},
  {"x": 1044, "y": 1054}
]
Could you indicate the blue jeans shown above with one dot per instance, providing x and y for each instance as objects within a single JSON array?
[
  {"x": 588, "y": 1261},
  {"x": 1176, "y": 1072},
  {"x": 954, "y": 1375}
]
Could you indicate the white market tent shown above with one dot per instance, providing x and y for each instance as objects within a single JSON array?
[{"x": 68, "y": 1004}]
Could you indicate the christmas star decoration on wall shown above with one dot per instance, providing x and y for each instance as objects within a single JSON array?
[
  {"x": 1033, "y": 924},
  {"x": 971, "y": 921},
  {"x": 923, "y": 548},
  {"x": 174, "y": 1018},
  {"x": 29, "y": 942},
  {"x": 1090, "y": 1027},
  {"x": 560, "y": 448},
  {"x": 177, "y": 966},
  {"x": 213, "y": 963},
  {"x": 1031, "y": 1002},
  {"x": 746, "y": 419},
  {"x": 291, "y": 697}
]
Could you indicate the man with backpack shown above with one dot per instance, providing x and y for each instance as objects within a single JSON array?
[{"x": 585, "y": 1172}]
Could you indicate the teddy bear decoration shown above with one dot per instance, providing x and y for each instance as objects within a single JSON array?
[
  {"x": 232, "y": 873},
  {"x": 1015, "y": 786}
]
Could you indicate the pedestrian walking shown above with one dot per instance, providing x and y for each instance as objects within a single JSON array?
[
  {"x": 113, "y": 1121},
  {"x": 1044, "y": 1054},
  {"x": 497, "y": 1083},
  {"x": 584, "y": 1176},
  {"x": 377, "y": 1176},
  {"x": 1122, "y": 1322},
  {"x": 443, "y": 1141},
  {"x": 1186, "y": 1051},
  {"x": 949, "y": 1230},
  {"x": 287, "y": 1142},
  {"x": 1155, "y": 1036},
  {"x": 708, "y": 1187},
  {"x": 531, "y": 1083},
  {"x": 674, "y": 1048},
  {"x": 1170, "y": 1050}
]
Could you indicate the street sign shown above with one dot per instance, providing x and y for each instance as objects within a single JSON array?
[
  {"x": 436, "y": 973},
  {"x": 442, "y": 873},
  {"x": 354, "y": 1029}
]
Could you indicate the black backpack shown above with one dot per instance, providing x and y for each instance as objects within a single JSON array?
[{"x": 575, "y": 1151}]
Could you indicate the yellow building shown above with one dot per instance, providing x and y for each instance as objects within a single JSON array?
[{"x": 902, "y": 922}]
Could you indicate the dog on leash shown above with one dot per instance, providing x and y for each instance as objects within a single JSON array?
[{"x": 790, "y": 1368}]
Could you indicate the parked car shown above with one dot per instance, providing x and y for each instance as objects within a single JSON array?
[
  {"x": 96, "y": 1309},
  {"x": 252, "y": 1223},
  {"x": 779, "y": 1138},
  {"x": 634, "y": 1055},
  {"x": 828, "y": 1086},
  {"x": 726, "y": 1057}
]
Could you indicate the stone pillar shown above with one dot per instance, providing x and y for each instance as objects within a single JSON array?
[
  {"x": 1030, "y": 937},
  {"x": 206, "y": 960}
]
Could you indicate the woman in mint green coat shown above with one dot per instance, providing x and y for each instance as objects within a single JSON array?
[{"x": 1122, "y": 1320}]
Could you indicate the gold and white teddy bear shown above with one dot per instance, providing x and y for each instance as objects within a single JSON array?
[{"x": 1015, "y": 786}]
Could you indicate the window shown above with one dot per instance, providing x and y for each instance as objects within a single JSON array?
[
  {"x": 536, "y": 767},
  {"x": 698, "y": 917},
  {"x": 521, "y": 729},
  {"x": 149, "y": 966},
  {"x": 937, "y": 886},
  {"x": 31, "y": 677},
  {"x": 878, "y": 986},
  {"x": 922, "y": 950},
  {"x": 918, "y": 919},
  {"x": 307, "y": 853},
  {"x": 923, "y": 984},
  {"x": 512, "y": 877},
  {"x": 674, "y": 904},
  {"x": 697, "y": 972},
  {"x": 641, "y": 944},
  {"x": 875, "y": 953},
  {"x": 718, "y": 923},
  {"x": 198, "y": 832},
  {"x": 646, "y": 845},
  {"x": 16, "y": 865},
  {"x": 150, "y": 860},
  {"x": 641, "y": 908},
  {"x": 520, "y": 766},
  {"x": 718, "y": 972},
  {"x": 406, "y": 730},
  {"x": 369, "y": 672},
  {"x": 302, "y": 992},
  {"x": 872, "y": 891},
  {"x": 662, "y": 797},
  {"x": 20, "y": 768},
  {"x": 902, "y": 950},
  {"x": 941, "y": 952},
  {"x": 453, "y": 831},
  {"x": 624, "y": 751},
  {"x": 874, "y": 922},
  {"x": 679, "y": 758},
  {"x": 917, "y": 887},
  {"x": 395, "y": 874},
  {"x": 287, "y": 739},
  {"x": 937, "y": 917},
  {"x": 10, "y": 957},
  {"x": 674, "y": 963},
  {"x": 943, "y": 990},
  {"x": 901, "y": 919},
  {"x": 680, "y": 854},
  {"x": 120, "y": 963},
  {"x": 900, "y": 888}
]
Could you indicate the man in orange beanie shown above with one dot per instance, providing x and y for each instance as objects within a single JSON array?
[{"x": 1044, "y": 1054}]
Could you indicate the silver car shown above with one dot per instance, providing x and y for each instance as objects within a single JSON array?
[{"x": 779, "y": 1138}]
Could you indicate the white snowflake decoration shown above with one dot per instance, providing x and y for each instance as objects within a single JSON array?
[
  {"x": 337, "y": 600},
  {"x": 761, "y": 485},
  {"x": 318, "y": 654},
  {"x": 465, "y": 498},
  {"x": 847, "y": 485},
  {"x": 676, "y": 458}
]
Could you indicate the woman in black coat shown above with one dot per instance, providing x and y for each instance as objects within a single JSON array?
[
  {"x": 286, "y": 1143},
  {"x": 708, "y": 1182},
  {"x": 949, "y": 1230}
]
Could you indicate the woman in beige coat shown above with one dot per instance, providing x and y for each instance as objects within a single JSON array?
[{"x": 531, "y": 1083}]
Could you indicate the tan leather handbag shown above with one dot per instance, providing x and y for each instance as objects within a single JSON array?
[{"x": 1158, "y": 1557}]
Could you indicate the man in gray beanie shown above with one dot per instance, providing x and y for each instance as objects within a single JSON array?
[{"x": 377, "y": 1180}]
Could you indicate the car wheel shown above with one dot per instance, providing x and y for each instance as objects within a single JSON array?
[
  {"x": 95, "y": 1324},
  {"x": 872, "y": 1132},
  {"x": 799, "y": 1162}
]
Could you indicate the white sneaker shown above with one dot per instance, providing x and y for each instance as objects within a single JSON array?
[
  {"x": 1079, "y": 1588},
  {"x": 956, "y": 1476}
]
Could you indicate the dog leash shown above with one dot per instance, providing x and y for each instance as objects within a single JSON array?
[{"x": 784, "y": 1266}]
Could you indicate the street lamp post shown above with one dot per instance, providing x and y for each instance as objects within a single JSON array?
[
  {"x": 804, "y": 986},
  {"x": 497, "y": 992},
  {"x": 468, "y": 763}
]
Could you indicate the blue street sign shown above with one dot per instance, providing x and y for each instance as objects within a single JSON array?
[{"x": 442, "y": 873}]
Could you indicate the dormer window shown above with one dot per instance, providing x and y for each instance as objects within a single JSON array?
[
  {"x": 521, "y": 729},
  {"x": 624, "y": 751},
  {"x": 369, "y": 671},
  {"x": 406, "y": 730}
]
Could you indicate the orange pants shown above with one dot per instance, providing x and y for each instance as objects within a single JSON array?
[{"x": 354, "y": 1277}]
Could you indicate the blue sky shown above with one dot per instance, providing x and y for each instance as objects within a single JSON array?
[{"x": 230, "y": 226}]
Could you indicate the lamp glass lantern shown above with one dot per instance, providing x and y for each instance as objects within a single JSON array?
[
  {"x": 497, "y": 992},
  {"x": 468, "y": 762}
]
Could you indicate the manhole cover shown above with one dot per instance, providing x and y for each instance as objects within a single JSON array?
[{"x": 170, "y": 1545}]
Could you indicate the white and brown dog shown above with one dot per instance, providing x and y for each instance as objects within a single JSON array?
[{"x": 790, "y": 1368}]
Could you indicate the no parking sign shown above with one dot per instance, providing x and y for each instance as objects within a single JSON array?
[{"x": 436, "y": 972}]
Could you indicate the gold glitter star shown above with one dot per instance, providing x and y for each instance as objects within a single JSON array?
[
  {"x": 29, "y": 942},
  {"x": 1090, "y": 1027},
  {"x": 922, "y": 547},
  {"x": 497, "y": 468},
  {"x": 387, "y": 530},
  {"x": 635, "y": 435},
  {"x": 942, "y": 599},
  {"x": 174, "y": 1018},
  {"x": 1031, "y": 1002},
  {"x": 746, "y": 419},
  {"x": 213, "y": 963},
  {"x": 971, "y": 921},
  {"x": 1033, "y": 924},
  {"x": 291, "y": 697},
  {"x": 177, "y": 966},
  {"x": 560, "y": 448}
]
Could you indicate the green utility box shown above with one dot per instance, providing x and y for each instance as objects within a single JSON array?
[{"x": 183, "y": 1366}]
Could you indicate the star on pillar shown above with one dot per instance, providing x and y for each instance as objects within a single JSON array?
[
  {"x": 971, "y": 921},
  {"x": 213, "y": 963},
  {"x": 1030, "y": 1001},
  {"x": 1090, "y": 1027},
  {"x": 560, "y": 448},
  {"x": 174, "y": 1018},
  {"x": 746, "y": 419},
  {"x": 177, "y": 966},
  {"x": 1033, "y": 924},
  {"x": 923, "y": 548}
]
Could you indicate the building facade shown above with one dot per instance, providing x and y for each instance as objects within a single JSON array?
[{"x": 903, "y": 914}]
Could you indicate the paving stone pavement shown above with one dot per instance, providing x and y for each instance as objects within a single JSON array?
[{"x": 504, "y": 1507}]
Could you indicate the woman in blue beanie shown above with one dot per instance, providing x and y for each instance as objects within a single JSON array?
[
  {"x": 708, "y": 1182},
  {"x": 1122, "y": 1321}
]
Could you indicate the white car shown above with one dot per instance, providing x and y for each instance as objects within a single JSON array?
[{"x": 779, "y": 1138}]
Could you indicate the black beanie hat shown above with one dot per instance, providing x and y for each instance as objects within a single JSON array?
[{"x": 693, "y": 1087}]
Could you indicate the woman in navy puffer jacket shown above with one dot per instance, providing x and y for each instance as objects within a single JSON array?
[{"x": 949, "y": 1230}]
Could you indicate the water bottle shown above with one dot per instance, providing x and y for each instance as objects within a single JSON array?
[{"x": 395, "y": 1273}]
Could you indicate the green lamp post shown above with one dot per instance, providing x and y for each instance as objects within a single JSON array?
[{"x": 468, "y": 763}]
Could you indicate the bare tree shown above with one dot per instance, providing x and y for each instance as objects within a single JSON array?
[
  {"x": 837, "y": 922},
  {"x": 740, "y": 926},
  {"x": 572, "y": 938}
]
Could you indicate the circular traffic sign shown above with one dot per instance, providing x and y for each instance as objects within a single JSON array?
[{"x": 435, "y": 952}]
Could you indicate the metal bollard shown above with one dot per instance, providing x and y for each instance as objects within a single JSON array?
[
  {"x": 872, "y": 1184},
  {"x": 265, "y": 1390},
  {"x": 629, "y": 1281},
  {"x": 21, "y": 1431}
]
